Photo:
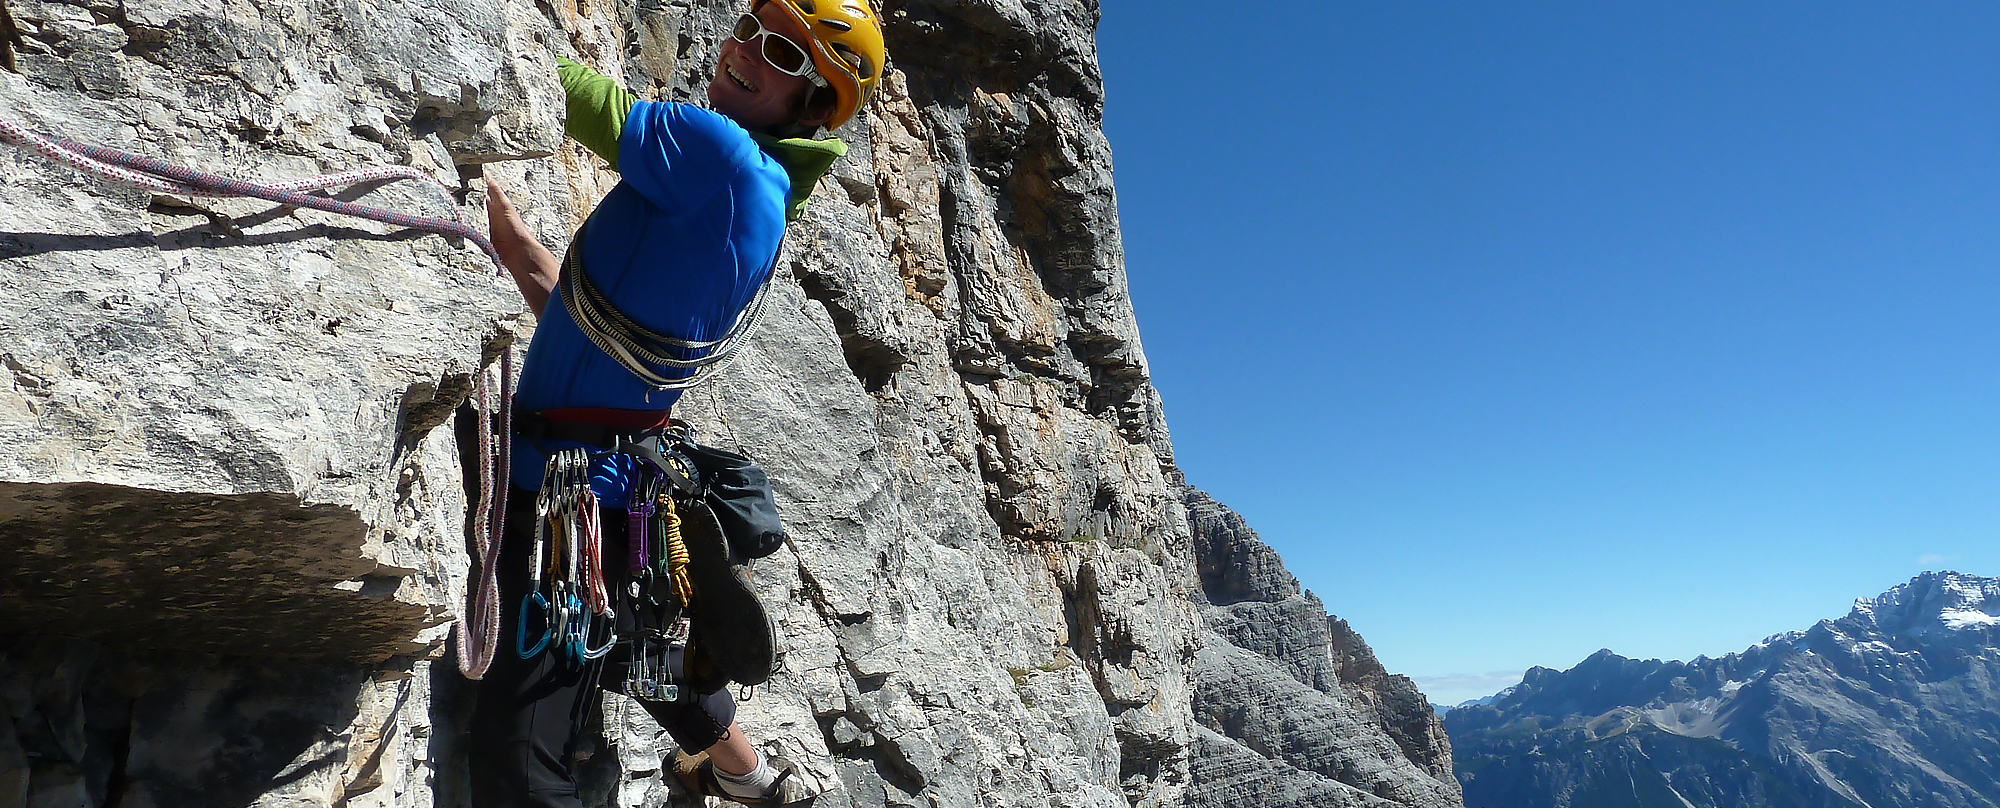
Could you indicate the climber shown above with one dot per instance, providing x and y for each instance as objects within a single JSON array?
[{"x": 660, "y": 284}]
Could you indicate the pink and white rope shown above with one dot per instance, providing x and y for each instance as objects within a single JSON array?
[
  {"x": 479, "y": 626},
  {"x": 165, "y": 178},
  {"x": 14, "y": 133}
]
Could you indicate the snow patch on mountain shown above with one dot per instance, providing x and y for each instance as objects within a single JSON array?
[
  {"x": 1890, "y": 706},
  {"x": 1962, "y": 619},
  {"x": 1933, "y": 601}
]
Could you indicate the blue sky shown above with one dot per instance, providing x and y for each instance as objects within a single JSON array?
[{"x": 1527, "y": 329}]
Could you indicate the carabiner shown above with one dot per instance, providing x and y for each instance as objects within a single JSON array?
[
  {"x": 535, "y": 600},
  {"x": 561, "y": 626},
  {"x": 610, "y": 640}
]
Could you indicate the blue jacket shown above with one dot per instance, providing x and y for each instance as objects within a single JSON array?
[{"x": 680, "y": 245}]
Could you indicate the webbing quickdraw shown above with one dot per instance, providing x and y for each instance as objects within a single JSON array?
[
  {"x": 575, "y": 597},
  {"x": 638, "y": 516},
  {"x": 534, "y": 600},
  {"x": 590, "y": 555}
]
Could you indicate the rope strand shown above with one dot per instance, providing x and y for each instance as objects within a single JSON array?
[
  {"x": 160, "y": 176},
  {"x": 478, "y": 632},
  {"x": 677, "y": 552}
]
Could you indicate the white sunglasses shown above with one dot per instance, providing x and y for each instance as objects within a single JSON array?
[{"x": 779, "y": 50}]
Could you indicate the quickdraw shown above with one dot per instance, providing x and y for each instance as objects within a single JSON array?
[
  {"x": 573, "y": 606},
  {"x": 567, "y": 595}
]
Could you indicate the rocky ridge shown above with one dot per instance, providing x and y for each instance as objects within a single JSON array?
[
  {"x": 231, "y": 462},
  {"x": 1895, "y": 704},
  {"x": 1294, "y": 707}
]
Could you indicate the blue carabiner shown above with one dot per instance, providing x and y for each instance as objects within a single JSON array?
[
  {"x": 575, "y": 625},
  {"x": 536, "y": 600}
]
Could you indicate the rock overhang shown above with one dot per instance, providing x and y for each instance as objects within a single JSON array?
[{"x": 258, "y": 575}]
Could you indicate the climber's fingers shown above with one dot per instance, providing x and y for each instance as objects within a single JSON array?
[
  {"x": 509, "y": 233},
  {"x": 499, "y": 209}
]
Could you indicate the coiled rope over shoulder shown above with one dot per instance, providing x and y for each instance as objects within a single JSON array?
[
  {"x": 163, "y": 177},
  {"x": 633, "y": 345}
]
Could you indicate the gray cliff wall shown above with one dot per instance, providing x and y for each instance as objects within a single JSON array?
[
  {"x": 233, "y": 492},
  {"x": 1295, "y": 710}
]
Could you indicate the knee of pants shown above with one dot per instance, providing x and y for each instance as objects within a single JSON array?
[{"x": 698, "y": 724}]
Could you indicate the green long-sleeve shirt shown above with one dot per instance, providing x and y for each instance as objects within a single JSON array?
[{"x": 596, "y": 109}]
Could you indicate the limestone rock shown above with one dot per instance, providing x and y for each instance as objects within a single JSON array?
[
  {"x": 1293, "y": 698},
  {"x": 228, "y": 383},
  {"x": 231, "y": 467}
]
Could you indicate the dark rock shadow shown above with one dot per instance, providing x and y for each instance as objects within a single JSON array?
[
  {"x": 106, "y": 727},
  {"x": 10, "y": 38},
  {"x": 452, "y": 695},
  {"x": 452, "y": 699},
  {"x": 248, "y": 575}
]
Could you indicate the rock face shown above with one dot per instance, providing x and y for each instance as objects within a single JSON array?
[
  {"x": 209, "y": 397},
  {"x": 234, "y": 491},
  {"x": 1896, "y": 704},
  {"x": 1294, "y": 707}
]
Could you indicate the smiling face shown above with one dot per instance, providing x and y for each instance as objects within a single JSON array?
[{"x": 748, "y": 89}]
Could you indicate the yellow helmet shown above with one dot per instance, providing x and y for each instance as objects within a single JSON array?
[{"x": 847, "y": 49}]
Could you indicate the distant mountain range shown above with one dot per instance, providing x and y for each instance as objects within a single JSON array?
[{"x": 1896, "y": 704}]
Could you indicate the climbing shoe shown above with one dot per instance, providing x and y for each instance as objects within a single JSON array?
[
  {"x": 697, "y": 775},
  {"x": 730, "y": 625}
]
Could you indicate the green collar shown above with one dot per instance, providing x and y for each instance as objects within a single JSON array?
[{"x": 805, "y": 161}]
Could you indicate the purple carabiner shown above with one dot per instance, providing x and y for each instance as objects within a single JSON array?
[{"x": 639, "y": 516}]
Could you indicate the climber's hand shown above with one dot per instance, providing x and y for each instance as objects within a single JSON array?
[{"x": 534, "y": 268}]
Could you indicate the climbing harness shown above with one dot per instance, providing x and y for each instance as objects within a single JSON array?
[
  {"x": 160, "y": 176},
  {"x": 479, "y": 626},
  {"x": 634, "y": 346},
  {"x": 568, "y": 609}
]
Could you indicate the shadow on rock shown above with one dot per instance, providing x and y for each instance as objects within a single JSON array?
[{"x": 91, "y": 726}]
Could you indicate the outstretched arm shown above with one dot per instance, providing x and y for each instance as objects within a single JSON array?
[
  {"x": 534, "y": 268},
  {"x": 595, "y": 108}
]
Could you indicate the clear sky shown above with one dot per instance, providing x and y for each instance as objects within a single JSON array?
[{"x": 1527, "y": 329}]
